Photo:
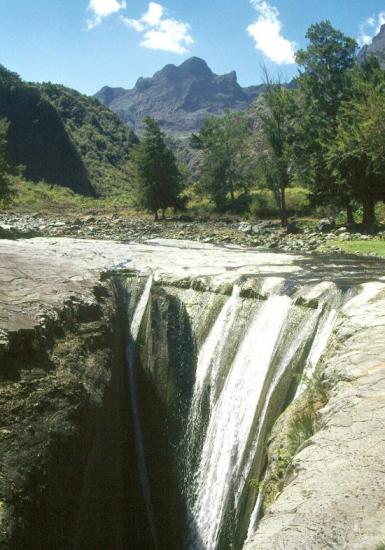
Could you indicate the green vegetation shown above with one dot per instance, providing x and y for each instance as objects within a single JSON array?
[
  {"x": 228, "y": 165},
  {"x": 157, "y": 178},
  {"x": 30, "y": 196},
  {"x": 380, "y": 546},
  {"x": 275, "y": 154},
  {"x": 37, "y": 138},
  {"x": 5, "y": 190},
  {"x": 324, "y": 133},
  {"x": 372, "y": 247},
  {"x": 322, "y": 86},
  {"x": 302, "y": 423},
  {"x": 65, "y": 138},
  {"x": 356, "y": 156},
  {"x": 315, "y": 147},
  {"x": 101, "y": 139}
]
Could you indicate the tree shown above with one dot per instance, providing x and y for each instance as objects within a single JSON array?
[
  {"x": 227, "y": 157},
  {"x": 276, "y": 117},
  {"x": 323, "y": 85},
  {"x": 156, "y": 175},
  {"x": 5, "y": 192},
  {"x": 356, "y": 155}
]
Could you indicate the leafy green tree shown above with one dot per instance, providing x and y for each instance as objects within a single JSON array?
[
  {"x": 324, "y": 83},
  {"x": 276, "y": 117},
  {"x": 356, "y": 155},
  {"x": 5, "y": 192},
  {"x": 156, "y": 174},
  {"x": 228, "y": 164}
]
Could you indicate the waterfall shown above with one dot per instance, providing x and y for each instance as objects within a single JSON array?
[
  {"x": 131, "y": 360},
  {"x": 321, "y": 340},
  {"x": 281, "y": 339},
  {"x": 208, "y": 367},
  {"x": 308, "y": 327},
  {"x": 232, "y": 419},
  {"x": 244, "y": 369}
]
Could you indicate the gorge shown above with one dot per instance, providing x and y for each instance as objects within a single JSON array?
[{"x": 174, "y": 394}]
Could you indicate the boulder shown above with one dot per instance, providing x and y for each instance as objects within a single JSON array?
[{"x": 326, "y": 224}]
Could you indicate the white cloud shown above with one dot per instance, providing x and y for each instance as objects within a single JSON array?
[
  {"x": 267, "y": 33},
  {"x": 161, "y": 32},
  {"x": 102, "y": 8},
  {"x": 370, "y": 28}
]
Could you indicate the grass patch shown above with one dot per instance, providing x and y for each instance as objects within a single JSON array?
[
  {"x": 301, "y": 424},
  {"x": 373, "y": 247},
  {"x": 380, "y": 546},
  {"x": 42, "y": 197}
]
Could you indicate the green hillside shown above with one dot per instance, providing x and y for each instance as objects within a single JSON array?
[
  {"x": 37, "y": 138},
  {"x": 101, "y": 139},
  {"x": 65, "y": 138}
]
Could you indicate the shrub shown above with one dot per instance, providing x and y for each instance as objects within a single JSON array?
[{"x": 263, "y": 204}]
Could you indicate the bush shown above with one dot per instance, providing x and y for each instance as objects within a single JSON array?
[{"x": 263, "y": 204}]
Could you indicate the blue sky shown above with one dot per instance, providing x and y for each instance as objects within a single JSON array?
[{"x": 86, "y": 44}]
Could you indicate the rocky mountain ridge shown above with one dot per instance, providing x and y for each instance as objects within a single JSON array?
[
  {"x": 377, "y": 47},
  {"x": 180, "y": 97}
]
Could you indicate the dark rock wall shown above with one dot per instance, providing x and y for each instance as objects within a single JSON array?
[{"x": 68, "y": 464}]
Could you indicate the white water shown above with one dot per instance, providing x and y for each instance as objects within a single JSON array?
[
  {"x": 320, "y": 343},
  {"x": 232, "y": 419},
  {"x": 298, "y": 341},
  {"x": 276, "y": 339},
  {"x": 131, "y": 360},
  {"x": 255, "y": 514},
  {"x": 209, "y": 360}
]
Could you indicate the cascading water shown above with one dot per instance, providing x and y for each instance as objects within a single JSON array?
[
  {"x": 279, "y": 338},
  {"x": 232, "y": 418},
  {"x": 131, "y": 360},
  {"x": 245, "y": 371},
  {"x": 208, "y": 367}
]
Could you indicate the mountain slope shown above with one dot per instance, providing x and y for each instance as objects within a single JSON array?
[
  {"x": 377, "y": 47},
  {"x": 37, "y": 138},
  {"x": 101, "y": 139},
  {"x": 180, "y": 98}
]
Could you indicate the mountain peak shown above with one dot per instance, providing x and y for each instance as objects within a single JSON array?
[
  {"x": 180, "y": 97},
  {"x": 197, "y": 67},
  {"x": 377, "y": 47}
]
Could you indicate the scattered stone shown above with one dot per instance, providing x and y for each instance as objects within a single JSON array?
[
  {"x": 326, "y": 224},
  {"x": 341, "y": 230},
  {"x": 245, "y": 228}
]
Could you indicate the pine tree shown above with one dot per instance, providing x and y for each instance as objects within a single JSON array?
[{"x": 156, "y": 174}]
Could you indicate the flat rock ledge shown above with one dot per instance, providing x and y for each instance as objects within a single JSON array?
[{"x": 37, "y": 276}]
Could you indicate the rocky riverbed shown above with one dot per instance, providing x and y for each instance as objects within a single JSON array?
[{"x": 303, "y": 237}]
